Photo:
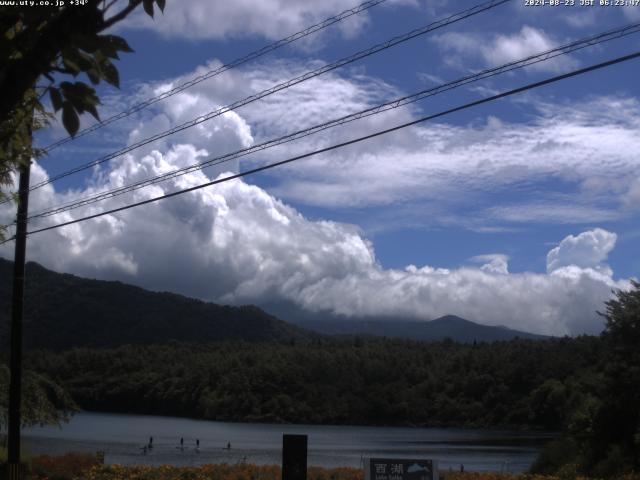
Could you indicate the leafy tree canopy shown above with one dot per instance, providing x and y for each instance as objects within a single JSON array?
[
  {"x": 49, "y": 51},
  {"x": 43, "y": 400},
  {"x": 602, "y": 436},
  {"x": 622, "y": 317},
  {"x": 46, "y": 51}
]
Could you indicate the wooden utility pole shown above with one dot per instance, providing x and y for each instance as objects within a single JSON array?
[{"x": 17, "y": 307}]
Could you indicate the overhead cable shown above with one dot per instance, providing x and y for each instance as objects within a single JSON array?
[
  {"x": 396, "y": 103},
  {"x": 492, "y": 98},
  {"x": 217, "y": 71},
  {"x": 281, "y": 86}
]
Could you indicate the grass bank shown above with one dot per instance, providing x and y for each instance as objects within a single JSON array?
[{"x": 86, "y": 467}]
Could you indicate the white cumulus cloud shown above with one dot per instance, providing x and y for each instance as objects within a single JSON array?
[
  {"x": 493, "y": 263},
  {"x": 236, "y": 243},
  {"x": 586, "y": 250}
]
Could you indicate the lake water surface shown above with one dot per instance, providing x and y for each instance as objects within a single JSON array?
[{"x": 122, "y": 436}]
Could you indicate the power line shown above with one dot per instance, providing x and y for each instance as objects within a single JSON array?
[
  {"x": 353, "y": 141},
  {"x": 306, "y": 76},
  {"x": 531, "y": 60},
  {"x": 217, "y": 71}
]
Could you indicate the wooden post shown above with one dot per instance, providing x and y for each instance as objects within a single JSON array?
[{"x": 294, "y": 457}]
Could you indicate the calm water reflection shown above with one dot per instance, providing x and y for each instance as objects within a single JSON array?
[{"x": 122, "y": 438}]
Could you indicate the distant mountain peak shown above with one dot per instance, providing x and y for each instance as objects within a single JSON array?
[
  {"x": 64, "y": 311},
  {"x": 448, "y": 326},
  {"x": 451, "y": 319}
]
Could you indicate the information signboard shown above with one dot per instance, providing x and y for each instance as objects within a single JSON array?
[{"x": 400, "y": 469}]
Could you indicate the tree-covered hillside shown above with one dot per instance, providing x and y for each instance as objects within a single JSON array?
[
  {"x": 64, "y": 311},
  {"x": 523, "y": 383}
]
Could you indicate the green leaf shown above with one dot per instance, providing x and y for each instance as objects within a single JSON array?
[
  {"x": 76, "y": 60},
  {"x": 110, "y": 73},
  {"x": 106, "y": 50},
  {"x": 94, "y": 75},
  {"x": 71, "y": 65},
  {"x": 118, "y": 43},
  {"x": 81, "y": 97},
  {"x": 88, "y": 43},
  {"x": 70, "y": 118},
  {"x": 92, "y": 110},
  {"x": 77, "y": 90},
  {"x": 11, "y": 33},
  {"x": 84, "y": 60},
  {"x": 56, "y": 98},
  {"x": 148, "y": 7},
  {"x": 65, "y": 87},
  {"x": 161, "y": 4}
]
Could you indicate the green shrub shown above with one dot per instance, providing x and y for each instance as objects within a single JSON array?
[{"x": 555, "y": 455}]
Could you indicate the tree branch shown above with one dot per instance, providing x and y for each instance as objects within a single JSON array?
[
  {"x": 66, "y": 71},
  {"x": 106, "y": 6},
  {"x": 120, "y": 15}
]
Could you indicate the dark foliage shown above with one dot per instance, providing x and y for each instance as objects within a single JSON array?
[
  {"x": 43, "y": 401},
  {"x": 520, "y": 383},
  {"x": 43, "y": 52},
  {"x": 613, "y": 442},
  {"x": 64, "y": 311},
  {"x": 603, "y": 428}
]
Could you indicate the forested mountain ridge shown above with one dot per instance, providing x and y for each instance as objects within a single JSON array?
[{"x": 64, "y": 311}]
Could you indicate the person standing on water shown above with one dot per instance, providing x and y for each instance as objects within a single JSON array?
[{"x": 150, "y": 443}]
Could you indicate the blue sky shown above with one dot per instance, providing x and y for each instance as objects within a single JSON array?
[{"x": 522, "y": 212}]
